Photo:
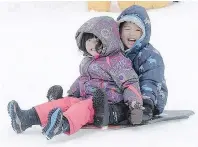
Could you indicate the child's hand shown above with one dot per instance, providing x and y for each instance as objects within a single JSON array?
[
  {"x": 55, "y": 92},
  {"x": 136, "y": 105},
  {"x": 135, "y": 113}
]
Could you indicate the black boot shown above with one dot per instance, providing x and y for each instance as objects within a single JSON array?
[
  {"x": 22, "y": 119},
  {"x": 101, "y": 108},
  {"x": 56, "y": 125},
  {"x": 55, "y": 92},
  {"x": 118, "y": 113}
]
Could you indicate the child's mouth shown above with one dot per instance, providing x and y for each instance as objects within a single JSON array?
[{"x": 131, "y": 41}]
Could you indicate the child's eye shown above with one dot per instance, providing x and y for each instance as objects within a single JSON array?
[
  {"x": 126, "y": 29},
  {"x": 138, "y": 30},
  {"x": 97, "y": 40}
]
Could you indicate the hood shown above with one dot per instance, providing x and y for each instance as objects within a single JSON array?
[
  {"x": 106, "y": 29},
  {"x": 139, "y": 16}
]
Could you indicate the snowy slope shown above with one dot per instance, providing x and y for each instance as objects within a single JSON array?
[{"x": 38, "y": 50}]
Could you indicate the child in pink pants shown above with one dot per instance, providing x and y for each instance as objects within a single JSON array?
[{"x": 106, "y": 77}]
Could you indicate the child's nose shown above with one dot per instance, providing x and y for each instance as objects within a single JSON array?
[
  {"x": 132, "y": 33},
  {"x": 92, "y": 45}
]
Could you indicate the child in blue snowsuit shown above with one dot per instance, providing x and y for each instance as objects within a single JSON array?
[{"x": 135, "y": 32}]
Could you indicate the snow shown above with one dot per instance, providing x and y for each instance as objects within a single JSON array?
[{"x": 38, "y": 50}]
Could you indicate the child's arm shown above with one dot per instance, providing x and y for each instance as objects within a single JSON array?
[
  {"x": 151, "y": 78},
  {"x": 126, "y": 78},
  {"x": 74, "y": 89}
]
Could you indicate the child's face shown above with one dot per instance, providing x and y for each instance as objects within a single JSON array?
[
  {"x": 91, "y": 46},
  {"x": 130, "y": 32}
]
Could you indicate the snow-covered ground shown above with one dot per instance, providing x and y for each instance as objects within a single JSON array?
[{"x": 38, "y": 50}]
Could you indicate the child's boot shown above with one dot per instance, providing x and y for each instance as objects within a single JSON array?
[
  {"x": 101, "y": 108},
  {"x": 56, "y": 125},
  {"x": 22, "y": 119},
  {"x": 118, "y": 113}
]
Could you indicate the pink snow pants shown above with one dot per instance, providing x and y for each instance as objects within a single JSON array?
[{"x": 78, "y": 112}]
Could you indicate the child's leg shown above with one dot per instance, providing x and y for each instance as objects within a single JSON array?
[
  {"x": 44, "y": 109},
  {"x": 79, "y": 115},
  {"x": 23, "y": 119},
  {"x": 69, "y": 121},
  {"x": 94, "y": 110},
  {"x": 118, "y": 111}
]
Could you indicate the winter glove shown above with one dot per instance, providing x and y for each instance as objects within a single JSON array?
[
  {"x": 148, "y": 110},
  {"x": 55, "y": 92},
  {"x": 147, "y": 114},
  {"x": 135, "y": 113}
]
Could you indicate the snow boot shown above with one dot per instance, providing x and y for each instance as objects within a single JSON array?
[
  {"x": 101, "y": 108},
  {"x": 22, "y": 119},
  {"x": 56, "y": 125},
  {"x": 118, "y": 113}
]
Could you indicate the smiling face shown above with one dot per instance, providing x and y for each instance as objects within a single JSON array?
[
  {"x": 129, "y": 33},
  {"x": 91, "y": 46}
]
